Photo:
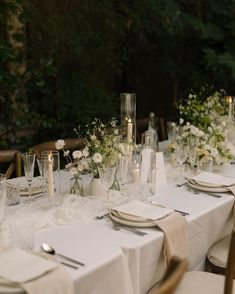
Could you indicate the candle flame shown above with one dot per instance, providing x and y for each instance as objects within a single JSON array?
[{"x": 50, "y": 157}]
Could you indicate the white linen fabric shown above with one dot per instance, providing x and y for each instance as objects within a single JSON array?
[
  {"x": 33, "y": 272},
  {"x": 120, "y": 261}
]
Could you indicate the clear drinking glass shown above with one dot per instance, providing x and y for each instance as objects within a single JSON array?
[
  {"x": 192, "y": 152},
  {"x": 29, "y": 162},
  {"x": 42, "y": 175},
  {"x": 181, "y": 155},
  {"x": 107, "y": 177},
  {"x": 2, "y": 197},
  {"x": 122, "y": 169}
]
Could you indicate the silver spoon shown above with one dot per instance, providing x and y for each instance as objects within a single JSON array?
[{"x": 50, "y": 250}]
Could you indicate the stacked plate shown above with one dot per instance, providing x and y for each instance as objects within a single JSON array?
[
  {"x": 138, "y": 214},
  {"x": 210, "y": 182}
]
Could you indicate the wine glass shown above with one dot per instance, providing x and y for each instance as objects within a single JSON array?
[
  {"x": 181, "y": 154},
  {"x": 29, "y": 162},
  {"x": 192, "y": 152},
  {"x": 42, "y": 175},
  {"x": 107, "y": 176}
]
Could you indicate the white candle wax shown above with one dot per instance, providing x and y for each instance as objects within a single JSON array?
[
  {"x": 50, "y": 176},
  {"x": 129, "y": 131},
  {"x": 135, "y": 173},
  {"x": 230, "y": 107}
]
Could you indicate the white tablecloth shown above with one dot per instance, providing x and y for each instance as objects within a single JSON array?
[{"x": 120, "y": 261}]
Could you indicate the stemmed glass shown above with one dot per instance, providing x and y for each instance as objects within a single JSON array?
[
  {"x": 42, "y": 175},
  {"x": 192, "y": 152},
  {"x": 107, "y": 177},
  {"x": 181, "y": 154},
  {"x": 29, "y": 162}
]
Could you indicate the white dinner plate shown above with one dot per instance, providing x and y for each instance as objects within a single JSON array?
[
  {"x": 10, "y": 289},
  {"x": 131, "y": 223},
  {"x": 208, "y": 189}
]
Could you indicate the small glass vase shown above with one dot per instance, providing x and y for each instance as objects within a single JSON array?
[{"x": 76, "y": 186}]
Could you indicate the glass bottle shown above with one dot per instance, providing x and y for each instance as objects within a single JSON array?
[
  {"x": 153, "y": 131},
  {"x": 148, "y": 164}
]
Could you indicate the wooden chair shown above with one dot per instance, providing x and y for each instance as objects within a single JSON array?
[
  {"x": 196, "y": 282},
  {"x": 11, "y": 161},
  {"x": 70, "y": 144},
  {"x": 172, "y": 277}
]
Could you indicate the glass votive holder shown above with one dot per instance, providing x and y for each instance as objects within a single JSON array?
[
  {"x": 13, "y": 194},
  {"x": 135, "y": 171}
]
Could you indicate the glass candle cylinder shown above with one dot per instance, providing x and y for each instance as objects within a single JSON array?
[{"x": 128, "y": 116}]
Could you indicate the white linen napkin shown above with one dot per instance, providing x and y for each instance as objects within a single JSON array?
[
  {"x": 34, "y": 273},
  {"x": 173, "y": 225},
  {"x": 143, "y": 210},
  {"x": 207, "y": 179}
]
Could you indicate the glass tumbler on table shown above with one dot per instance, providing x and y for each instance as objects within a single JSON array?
[{"x": 29, "y": 162}]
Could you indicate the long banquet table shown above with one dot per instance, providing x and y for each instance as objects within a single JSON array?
[{"x": 123, "y": 262}]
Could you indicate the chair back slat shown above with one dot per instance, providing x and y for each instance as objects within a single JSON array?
[
  {"x": 229, "y": 272},
  {"x": 172, "y": 277},
  {"x": 13, "y": 158}
]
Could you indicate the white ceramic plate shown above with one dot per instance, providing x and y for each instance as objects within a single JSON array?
[
  {"x": 208, "y": 189},
  {"x": 10, "y": 289},
  {"x": 131, "y": 223}
]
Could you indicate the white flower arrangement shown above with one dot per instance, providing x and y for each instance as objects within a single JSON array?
[
  {"x": 103, "y": 146},
  {"x": 207, "y": 121}
]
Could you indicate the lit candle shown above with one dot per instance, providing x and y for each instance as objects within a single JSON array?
[
  {"x": 50, "y": 176},
  {"x": 136, "y": 174},
  {"x": 230, "y": 107},
  {"x": 129, "y": 131}
]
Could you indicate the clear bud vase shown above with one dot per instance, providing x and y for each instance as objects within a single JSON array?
[
  {"x": 128, "y": 116},
  {"x": 76, "y": 186},
  {"x": 148, "y": 165}
]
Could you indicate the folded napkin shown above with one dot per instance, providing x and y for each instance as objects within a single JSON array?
[
  {"x": 207, "y": 179},
  {"x": 173, "y": 225},
  {"x": 142, "y": 210},
  {"x": 34, "y": 273}
]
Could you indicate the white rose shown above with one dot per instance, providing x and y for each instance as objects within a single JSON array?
[
  {"x": 59, "y": 144},
  {"x": 77, "y": 154},
  {"x": 85, "y": 152},
  {"x": 97, "y": 157}
]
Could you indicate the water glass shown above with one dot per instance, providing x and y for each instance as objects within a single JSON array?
[
  {"x": 107, "y": 177},
  {"x": 2, "y": 197},
  {"x": 122, "y": 169}
]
